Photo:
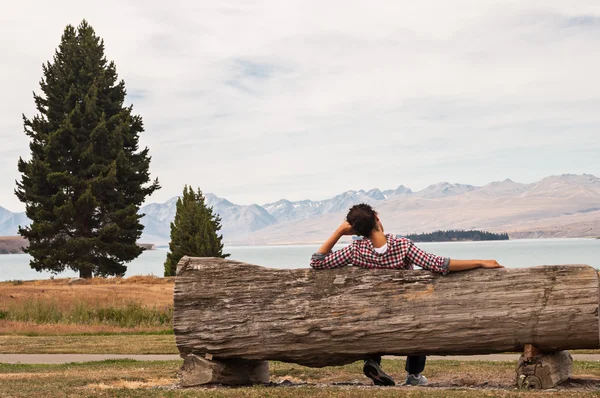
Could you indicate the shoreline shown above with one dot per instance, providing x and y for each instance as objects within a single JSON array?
[
  {"x": 235, "y": 244},
  {"x": 313, "y": 243},
  {"x": 14, "y": 244}
]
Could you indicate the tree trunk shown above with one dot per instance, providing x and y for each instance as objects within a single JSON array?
[
  {"x": 85, "y": 273},
  {"x": 229, "y": 309}
]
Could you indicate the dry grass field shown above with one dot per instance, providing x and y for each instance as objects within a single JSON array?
[
  {"x": 102, "y": 305},
  {"x": 136, "y": 344},
  {"x": 147, "y": 290}
]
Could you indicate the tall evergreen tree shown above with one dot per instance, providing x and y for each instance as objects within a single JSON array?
[
  {"x": 86, "y": 178},
  {"x": 194, "y": 231}
]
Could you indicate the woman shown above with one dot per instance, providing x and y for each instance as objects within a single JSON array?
[{"x": 379, "y": 250}]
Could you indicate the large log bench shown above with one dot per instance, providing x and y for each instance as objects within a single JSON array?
[{"x": 230, "y": 318}]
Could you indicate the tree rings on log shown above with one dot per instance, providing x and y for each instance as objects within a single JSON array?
[
  {"x": 543, "y": 371},
  {"x": 197, "y": 371}
]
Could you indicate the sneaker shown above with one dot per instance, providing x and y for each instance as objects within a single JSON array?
[
  {"x": 416, "y": 380},
  {"x": 373, "y": 371}
]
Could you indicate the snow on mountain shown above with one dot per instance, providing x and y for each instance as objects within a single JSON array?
[
  {"x": 238, "y": 219},
  {"x": 163, "y": 212},
  {"x": 375, "y": 194},
  {"x": 285, "y": 210},
  {"x": 10, "y": 222},
  {"x": 235, "y": 219},
  {"x": 345, "y": 200},
  {"x": 400, "y": 191},
  {"x": 502, "y": 188},
  {"x": 443, "y": 189},
  {"x": 567, "y": 185},
  {"x": 4, "y": 214}
]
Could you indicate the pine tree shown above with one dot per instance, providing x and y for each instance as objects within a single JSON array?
[
  {"x": 194, "y": 231},
  {"x": 86, "y": 178}
]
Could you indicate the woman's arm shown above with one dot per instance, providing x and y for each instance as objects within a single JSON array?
[
  {"x": 324, "y": 258},
  {"x": 442, "y": 265},
  {"x": 463, "y": 265},
  {"x": 344, "y": 229}
]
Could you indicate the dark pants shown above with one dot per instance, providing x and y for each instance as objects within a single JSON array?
[{"x": 415, "y": 364}]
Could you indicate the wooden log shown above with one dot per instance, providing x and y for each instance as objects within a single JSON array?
[
  {"x": 230, "y": 309},
  {"x": 197, "y": 371},
  {"x": 543, "y": 371}
]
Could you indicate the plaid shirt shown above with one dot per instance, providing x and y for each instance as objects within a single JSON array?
[{"x": 401, "y": 254}]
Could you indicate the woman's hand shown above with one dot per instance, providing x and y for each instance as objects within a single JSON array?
[
  {"x": 345, "y": 229},
  {"x": 463, "y": 265},
  {"x": 490, "y": 264}
]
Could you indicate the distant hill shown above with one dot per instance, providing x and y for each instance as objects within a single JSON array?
[
  {"x": 12, "y": 244},
  {"x": 16, "y": 244},
  {"x": 557, "y": 206}
]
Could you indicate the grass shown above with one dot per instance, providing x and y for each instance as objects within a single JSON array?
[
  {"x": 102, "y": 305},
  {"x": 129, "y": 314},
  {"x": 107, "y": 378},
  {"x": 128, "y": 332},
  {"x": 89, "y": 344},
  {"x": 126, "y": 378}
]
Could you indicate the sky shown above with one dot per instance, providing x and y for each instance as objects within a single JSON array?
[{"x": 261, "y": 100}]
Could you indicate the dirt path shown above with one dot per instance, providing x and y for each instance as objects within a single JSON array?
[{"x": 67, "y": 358}]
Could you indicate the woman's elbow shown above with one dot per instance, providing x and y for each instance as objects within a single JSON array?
[
  {"x": 318, "y": 264},
  {"x": 317, "y": 261}
]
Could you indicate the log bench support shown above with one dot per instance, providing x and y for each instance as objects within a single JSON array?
[
  {"x": 538, "y": 370},
  {"x": 535, "y": 370},
  {"x": 197, "y": 371}
]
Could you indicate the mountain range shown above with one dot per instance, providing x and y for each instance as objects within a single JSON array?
[
  {"x": 557, "y": 206},
  {"x": 9, "y": 222}
]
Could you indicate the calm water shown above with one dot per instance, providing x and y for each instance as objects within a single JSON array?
[{"x": 514, "y": 254}]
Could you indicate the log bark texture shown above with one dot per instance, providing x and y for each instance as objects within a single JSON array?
[{"x": 230, "y": 309}]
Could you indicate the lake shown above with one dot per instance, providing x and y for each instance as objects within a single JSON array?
[{"x": 512, "y": 254}]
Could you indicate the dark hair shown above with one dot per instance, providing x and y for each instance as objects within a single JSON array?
[{"x": 362, "y": 217}]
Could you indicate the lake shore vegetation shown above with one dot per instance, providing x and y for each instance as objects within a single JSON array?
[{"x": 454, "y": 235}]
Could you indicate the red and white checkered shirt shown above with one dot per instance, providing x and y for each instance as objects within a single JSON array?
[{"x": 401, "y": 254}]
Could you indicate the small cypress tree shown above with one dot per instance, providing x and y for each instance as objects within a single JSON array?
[
  {"x": 194, "y": 231},
  {"x": 86, "y": 178}
]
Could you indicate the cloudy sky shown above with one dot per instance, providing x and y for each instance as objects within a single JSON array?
[{"x": 261, "y": 100}]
